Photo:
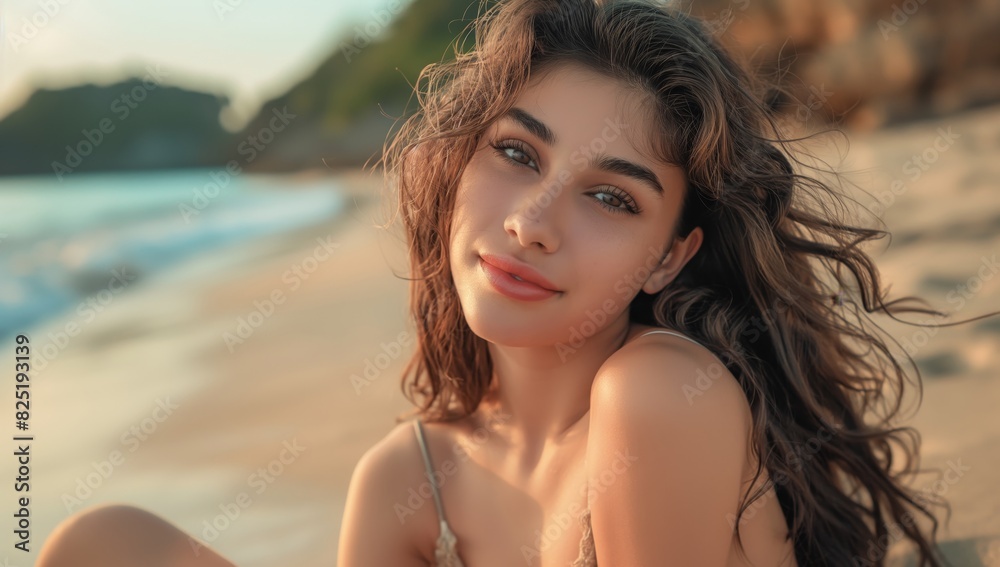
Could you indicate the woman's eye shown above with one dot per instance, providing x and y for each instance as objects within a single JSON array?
[
  {"x": 514, "y": 151},
  {"x": 617, "y": 200},
  {"x": 521, "y": 153},
  {"x": 511, "y": 149},
  {"x": 614, "y": 201}
]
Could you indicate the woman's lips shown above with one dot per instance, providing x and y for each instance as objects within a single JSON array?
[{"x": 510, "y": 286}]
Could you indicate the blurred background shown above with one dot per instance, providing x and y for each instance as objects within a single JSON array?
[{"x": 217, "y": 325}]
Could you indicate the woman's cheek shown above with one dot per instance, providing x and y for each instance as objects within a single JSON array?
[{"x": 493, "y": 195}]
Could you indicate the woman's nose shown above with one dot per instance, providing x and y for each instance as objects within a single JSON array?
[{"x": 534, "y": 221}]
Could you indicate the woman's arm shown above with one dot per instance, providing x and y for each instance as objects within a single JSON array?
[
  {"x": 668, "y": 437},
  {"x": 372, "y": 533}
]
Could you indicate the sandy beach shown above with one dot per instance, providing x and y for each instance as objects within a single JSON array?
[{"x": 228, "y": 379}]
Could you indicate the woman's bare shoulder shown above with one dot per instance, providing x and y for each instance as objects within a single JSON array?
[
  {"x": 667, "y": 370},
  {"x": 667, "y": 415},
  {"x": 381, "y": 525},
  {"x": 395, "y": 444},
  {"x": 396, "y": 461}
]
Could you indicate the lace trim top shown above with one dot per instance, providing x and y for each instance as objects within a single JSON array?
[{"x": 445, "y": 552}]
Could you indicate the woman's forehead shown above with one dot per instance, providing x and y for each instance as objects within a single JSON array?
[
  {"x": 588, "y": 84},
  {"x": 584, "y": 107}
]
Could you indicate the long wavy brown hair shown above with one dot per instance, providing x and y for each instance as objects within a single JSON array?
[{"x": 768, "y": 291}]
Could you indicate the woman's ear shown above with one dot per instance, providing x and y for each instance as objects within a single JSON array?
[{"x": 682, "y": 250}]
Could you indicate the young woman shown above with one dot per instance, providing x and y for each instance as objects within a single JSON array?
[{"x": 637, "y": 344}]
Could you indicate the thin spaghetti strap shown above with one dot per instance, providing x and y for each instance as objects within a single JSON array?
[
  {"x": 670, "y": 333},
  {"x": 676, "y": 334},
  {"x": 445, "y": 554},
  {"x": 427, "y": 465}
]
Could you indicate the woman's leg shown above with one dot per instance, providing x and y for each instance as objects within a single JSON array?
[{"x": 119, "y": 535}]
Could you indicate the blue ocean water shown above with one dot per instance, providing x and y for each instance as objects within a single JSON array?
[{"x": 61, "y": 241}]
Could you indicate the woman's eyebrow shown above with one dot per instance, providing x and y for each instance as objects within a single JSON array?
[
  {"x": 599, "y": 161},
  {"x": 532, "y": 124}
]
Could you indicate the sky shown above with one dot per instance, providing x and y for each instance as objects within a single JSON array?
[{"x": 250, "y": 50}]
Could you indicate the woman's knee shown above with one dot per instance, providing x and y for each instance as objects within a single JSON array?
[
  {"x": 122, "y": 534},
  {"x": 108, "y": 518}
]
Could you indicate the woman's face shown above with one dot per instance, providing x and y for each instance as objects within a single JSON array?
[{"x": 565, "y": 184}]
